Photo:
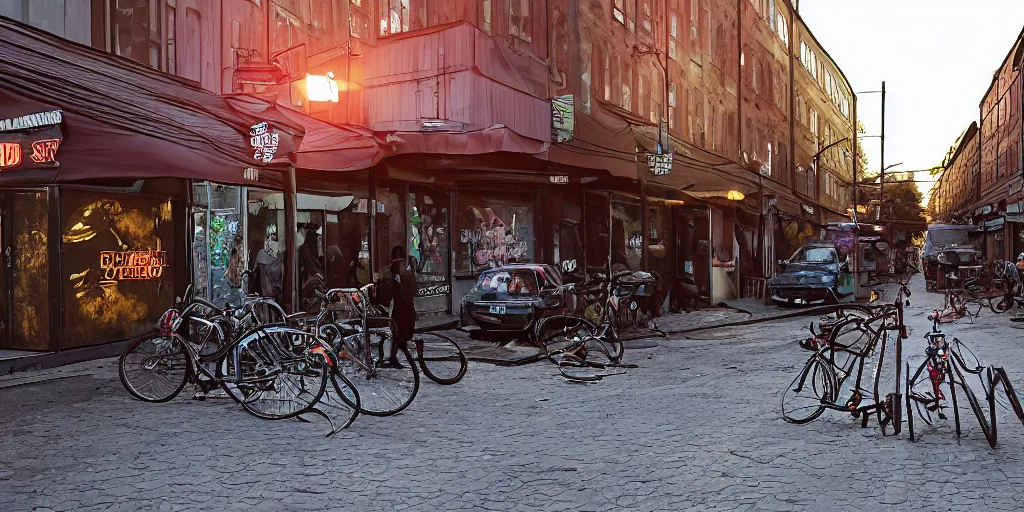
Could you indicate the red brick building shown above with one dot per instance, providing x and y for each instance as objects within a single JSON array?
[{"x": 537, "y": 116}]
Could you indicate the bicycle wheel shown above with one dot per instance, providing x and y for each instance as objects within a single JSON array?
[
  {"x": 1000, "y": 304},
  {"x": 575, "y": 369},
  {"x": 989, "y": 429},
  {"x": 155, "y": 368},
  {"x": 384, "y": 389},
  {"x": 440, "y": 358},
  {"x": 804, "y": 399},
  {"x": 279, "y": 384},
  {"x": 341, "y": 400}
]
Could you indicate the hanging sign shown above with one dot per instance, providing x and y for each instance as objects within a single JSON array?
[
  {"x": 30, "y": 142},
  {"x": 563, "y": 118},
  {"x": 660, "y": 165},
  {"x": 264, "y": 141}
]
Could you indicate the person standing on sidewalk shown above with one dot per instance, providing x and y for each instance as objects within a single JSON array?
[{"x": 402, "y": 285}]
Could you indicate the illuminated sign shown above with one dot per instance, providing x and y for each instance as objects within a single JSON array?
[
  {"x": 660, "y": 165},
  {"x": 251, "y": 174},
  {"x": 52, "y": 118},
  {"x": 264, "y": 141},
  {"x": 10, "y": 155},
  {"x": 559, "y": 179},
  {"x": 30, "y": 141},
  {"x": 132, "y": 265},
  {"x": 45, "y": 150}
]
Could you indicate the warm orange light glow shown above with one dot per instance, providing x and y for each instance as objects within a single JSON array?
[
  {"x": 321, "y": 88},
  {"x": 734, "y": 195},
  {"x": 10, "y": 154}
]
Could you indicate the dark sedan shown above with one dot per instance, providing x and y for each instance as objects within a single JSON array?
[
  {"x": 510, "y": 299},
  {"x": 813, "y": 275}
]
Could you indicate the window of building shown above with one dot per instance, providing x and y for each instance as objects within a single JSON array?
[
  {"x": 519, "y": 19},
  {"x": 755, "y": 71},
  {"x": 695, "y": 28},
  {"x": 619, "y": 11},
  {"x": 606, "y": 76},
  {"x": 631, "y": 15},
  {"x": 671, "y": 106},
  {"x": 814, "y": 125},
  {"x": 626, "y": 85},
  {"x": 673, "y": 40},
  {"x": 394, "y": 17},
  {"x": 782, "y": 28},
  {"x": 646, "y": 16},
  {"x": 486, "y": 15},
  {"x": 136, "y": 31}
]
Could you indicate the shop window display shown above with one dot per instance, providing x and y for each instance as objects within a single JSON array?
[
  {"x": 493, "y": 233},
  {"x": 627, "y": 236},
  {"x": 117, "y": 263},
  {"x": 428, "y": 242},
  {"x": 218, "y": 243},
  {"x": 265, "y": 219},
  {"x": 597, "y": 229}
]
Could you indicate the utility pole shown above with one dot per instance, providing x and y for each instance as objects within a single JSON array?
[
  {"x": 856, "y": 156},
  {"x": 881, "y": 185}
]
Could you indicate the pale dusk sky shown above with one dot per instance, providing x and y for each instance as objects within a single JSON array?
[{"x": 936, "y": 56}]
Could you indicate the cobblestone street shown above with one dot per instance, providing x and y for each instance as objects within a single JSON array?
[{"x": 697, "y": 426}]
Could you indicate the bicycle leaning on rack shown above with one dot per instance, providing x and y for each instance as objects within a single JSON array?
[
  {"x": 854, "y": 345},
  {"x": 273, "y": 371},
  {"x": 946, "y": 369}
]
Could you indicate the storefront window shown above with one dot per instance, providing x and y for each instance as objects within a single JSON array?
[
  {"x": 597, "y": 242},
  {"x": 265, "y": 220},
  {"x": 391, "y": 229},
  {"x": 28, "y": 266},
  {"x": 428, "y": 247},
  {"x": 493, "y": 232},
  {"x": 659, "y": 245},
  {"x": 567, "y": 241},
  {"x": 627, "y": 236},
  {"x": 117, "y": 262},
  {"x": 218, "y": 242}
]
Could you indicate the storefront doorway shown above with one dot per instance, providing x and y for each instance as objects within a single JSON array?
[{"x": 24, "y": 277}]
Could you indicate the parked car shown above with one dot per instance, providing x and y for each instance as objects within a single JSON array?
[
  {"x": 509, "y": 299},
  {"x": 814, "y": 275}
]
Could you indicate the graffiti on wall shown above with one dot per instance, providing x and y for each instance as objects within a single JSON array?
[
  {"x": 492, "y": 243},
  {"x": 132, "y": 265}
]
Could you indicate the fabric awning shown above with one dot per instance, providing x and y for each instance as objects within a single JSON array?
[
  {"x": 125, "y": 120},
  {"x": 324, "y": 146},
  {"x": 494, "y": 139}
]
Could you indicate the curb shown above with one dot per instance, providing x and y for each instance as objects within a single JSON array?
[{"x": 751, "y": 321}]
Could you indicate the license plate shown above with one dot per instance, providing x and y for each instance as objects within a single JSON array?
[{"x": 497, "y": 310}]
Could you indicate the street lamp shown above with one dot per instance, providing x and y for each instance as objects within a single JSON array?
[{"x": 882, "y": 137}]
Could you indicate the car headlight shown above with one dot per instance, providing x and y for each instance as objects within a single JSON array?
[{"x": 827, "y": 279}]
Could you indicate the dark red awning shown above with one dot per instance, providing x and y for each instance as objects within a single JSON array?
[
  {"x": 325, "y": 146},
  {"x": 123, "y": 119}
]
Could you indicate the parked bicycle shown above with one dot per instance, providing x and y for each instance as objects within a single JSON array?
[
  {"x": 855, "y": 344},
  {"x": 273, "y": 371},
  {"x": 945, "y": 371}
]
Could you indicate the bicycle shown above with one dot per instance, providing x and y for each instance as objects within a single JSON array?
[
  {"x": 439, "y": 358},
  {"x": 362, "y": 338},
  {"x": 947, "y": 367},
  {"x": 272, "y": 371},
  {"x": 852, "y": 342}
]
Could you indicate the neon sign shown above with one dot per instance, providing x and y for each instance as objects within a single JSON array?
[
  {"x": 31, "y": 141},
  {"x": 264, "y": 142},
  {"x": 45, "y": 150},
  {"x": 10, "y": 154},
  {"x": 132, "y": 265}
]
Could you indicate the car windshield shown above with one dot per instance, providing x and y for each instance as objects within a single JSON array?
[
  {"x": 814, "y": 255},
  {"x": 520, "y": 281}
]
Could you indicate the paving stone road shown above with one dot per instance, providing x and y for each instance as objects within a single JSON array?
[{"x": 696, "y": 427}]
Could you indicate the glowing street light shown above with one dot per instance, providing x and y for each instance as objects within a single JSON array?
[{"x": 322, "y": 88}]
